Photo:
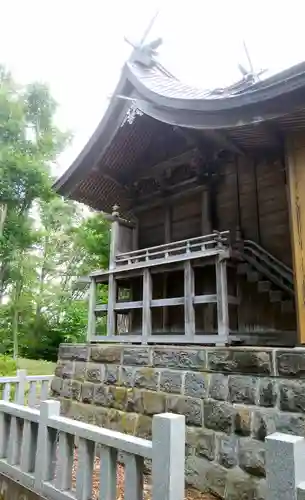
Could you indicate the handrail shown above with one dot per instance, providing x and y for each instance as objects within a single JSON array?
[
  {"x": 267, "y": 264},
  {"x": 264, "y": 251},
  {"x": 167, "y": 246}
]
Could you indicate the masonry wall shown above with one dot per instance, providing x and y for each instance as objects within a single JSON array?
[{"x": 231, "y": 397}]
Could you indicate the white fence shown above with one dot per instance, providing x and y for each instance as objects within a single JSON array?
[
  {"x": 25, "y": 389},
  {"x": 285, "y": 467},
  {"x": 37, "y": 450}
]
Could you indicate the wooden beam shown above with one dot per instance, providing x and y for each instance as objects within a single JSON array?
[
  {"x": 295, "y": 154},
  {"x": 147, "y": 171}
]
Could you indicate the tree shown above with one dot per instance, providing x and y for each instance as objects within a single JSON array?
[{"x": 29, "y": 143}]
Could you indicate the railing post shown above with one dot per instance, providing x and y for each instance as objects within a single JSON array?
[
  {"x": 46, "y": 444},
  {"x": 168, "y": 455},
  {"x": 285, "y": 456},
  {"x": 20, "y": 388}
]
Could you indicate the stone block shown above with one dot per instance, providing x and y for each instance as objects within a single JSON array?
[
  {"x": 196, "y": 384},
  {"x": 118, "y": 397},
  {"x": 227, "y": 451},
  {"x": 127, "y": 376},
  {"x": 129, "y": 423},
  {"x": 190, "y": 407},
  {"x": 79, "y": 370},
  {"x": 205, "y": 444},
  {"x": 242, "y": 420},
  {"x": 111, "y": 374},
  {"x": 196, "y": 469},
  {"x": 242, "y": 389},
  {"x": 94, "y": 372},
  {"x": 216, "y": 480},
  {"x": 67, "y": 369},
  {"x": 101, "y": 395},
  {"x": 290, "y": 423},
  {"x": 136, "y": 356},
  {"x": 58, "y": 368},
  {"x": 240, "y": 485},
  {"x": 56, "y": 386},
  {"x": 82, "y": 412},
  {"x": 291, "y": 363},
  {"x": 153, "y": 402},
  {"x": 65, "y": 405},
  {"x": 135, "y": 401},
  {"x": 87, "y": 392},
  {"x": 147, "y": 378},
  {"x": 292, "y": 395},
  {"x": 218, "y": 387},
  {"x": 100, "y": 415},
  {"x": 66, "y": 389},
  {"x": 264, "y": 423},
  {"x": 77, "y": 352},
  {"x": 114, "y": 419},
  {"x": 106, "y": 353},
  {"x": 179, "y": 358},
  {"x": 244, "y": 361},
  {"x": 251, "y": 456},
  {"x": 267, "y": 392},
  {"x": 144, "y": 427},
  {"x": 218, "y": 416},
  {"x": 76, "y": 388},
  {"x": 171, "y": 381}
]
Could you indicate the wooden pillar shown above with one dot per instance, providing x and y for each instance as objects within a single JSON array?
[
  {"x": 114, "y": 238},
  {"x": 146, "y": 314},
  {"x": 295, "y": 154},
  {"x": 111, "y": 315},
  {"x": 91, "y": 310},
  {"x": 222, "y": 299},
  {"x": 189, "y": 291}
]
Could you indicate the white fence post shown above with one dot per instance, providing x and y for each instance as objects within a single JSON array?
[
  {"x": 20, "y": 387},
  {"x": 285, "y": 457},
  {"x": 46, "y": 444},
  {"x": 168, "y": 456}
]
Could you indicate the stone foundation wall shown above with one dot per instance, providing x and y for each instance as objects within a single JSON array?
[{"x": 231, "y": 398}]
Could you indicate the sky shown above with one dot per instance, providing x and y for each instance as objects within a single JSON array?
[{"x": 78, "y": 47}]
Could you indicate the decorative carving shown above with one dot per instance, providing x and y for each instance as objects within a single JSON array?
[
  {"x": 131, "y": 114},
  {"x": 115, "y": 211}
]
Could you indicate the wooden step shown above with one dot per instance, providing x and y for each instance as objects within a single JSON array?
[
  {"x": 253, "y": 276},
  {"x": 275, "y": 296},
  {"x": 243, "y": 268},
  {"x": 287, "y": 306},
  {"x": 263, "y": 286}
]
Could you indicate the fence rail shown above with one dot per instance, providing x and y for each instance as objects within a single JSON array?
[
  {"x": 37, "y": 450},
  {"x": 25, "y": 389}
]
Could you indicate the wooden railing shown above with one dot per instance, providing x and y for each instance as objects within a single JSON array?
[
  {"x": 175, "y": 250},
  {"x": 37, "y": 450}
]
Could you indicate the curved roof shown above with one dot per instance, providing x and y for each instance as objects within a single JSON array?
[{"x": 158, "y": 95}]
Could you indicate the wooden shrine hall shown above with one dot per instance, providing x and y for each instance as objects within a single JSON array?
[{"x": 205, "y": 191}]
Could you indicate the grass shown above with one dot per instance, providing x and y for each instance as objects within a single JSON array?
[{"x": 36, "y": 366}]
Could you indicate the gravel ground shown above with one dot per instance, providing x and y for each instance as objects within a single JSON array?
[{"x": 190, "y": 493}]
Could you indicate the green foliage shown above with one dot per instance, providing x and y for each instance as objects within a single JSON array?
[
  {"x": 46, "y": 243},
  {"x": 8, "y": 366}
]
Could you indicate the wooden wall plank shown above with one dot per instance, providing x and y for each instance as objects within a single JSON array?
[{"x": 295, "y": 149}]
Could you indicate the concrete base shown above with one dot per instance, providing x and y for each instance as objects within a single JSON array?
[{"x": 232, "y": 398}]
